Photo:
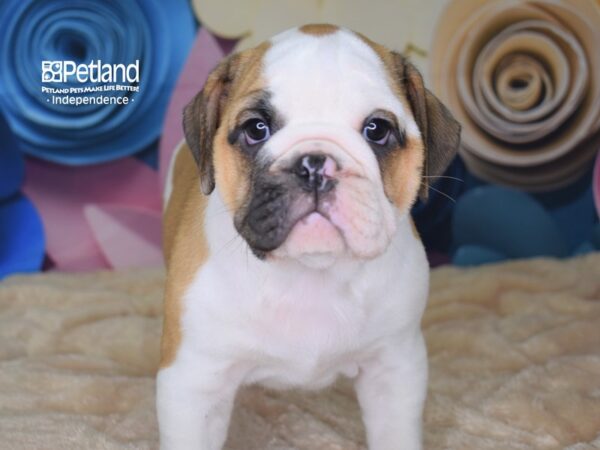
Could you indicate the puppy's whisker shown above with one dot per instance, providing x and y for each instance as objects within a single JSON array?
[
  {"x": 228, "y": 244},
  {"x": 444, "y": 176},
  {"x": 439, "y": 192}
]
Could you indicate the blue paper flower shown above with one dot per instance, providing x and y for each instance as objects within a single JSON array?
[
  {"x": 492, "y": 223},
  {"x": 157, "y": 33},
  {"x": 21, "y": 232},
  {"x": 21, "y": 237},
  {"x": 12, "y": 163}
]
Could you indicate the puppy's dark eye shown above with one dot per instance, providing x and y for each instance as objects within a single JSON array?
[
  {"x": 377, "y": 131},
  {"x": 256, "y": 131}
]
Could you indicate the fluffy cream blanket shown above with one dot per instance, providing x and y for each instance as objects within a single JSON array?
[{"x": 514, "y": 359}]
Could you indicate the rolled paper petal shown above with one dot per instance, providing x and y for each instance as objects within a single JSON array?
[
  {"x": 204, "y": 56},
  {"x": 60, "y": 193},
  {"x": 506, "y": 221},
  {"x": 596, "y": 183},
  {"x": 12, "y": 163},
  {"x": 403, "y": 25},
  {"x": 475, "y": 255},
  {"x": 524, "y": 80},
  {"x": 232, "y": 19},
  {"x": 128, "y": 237},
  {"x": 21, "y": 237},
  {"x": 157, "y": 33}
]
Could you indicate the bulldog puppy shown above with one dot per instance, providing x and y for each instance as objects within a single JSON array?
[{"x": 291, "y": 254}]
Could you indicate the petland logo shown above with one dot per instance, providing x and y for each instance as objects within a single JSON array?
[
  {"x": 90, "y": 84},
  {"x": 95, "y": 71}
]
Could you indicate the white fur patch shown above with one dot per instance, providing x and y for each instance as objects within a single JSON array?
[{"x": 335, "y": 79}]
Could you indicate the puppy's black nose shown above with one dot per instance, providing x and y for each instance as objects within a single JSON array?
[{"x": 311, "y": 172}]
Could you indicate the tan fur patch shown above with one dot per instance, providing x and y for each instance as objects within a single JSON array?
[
  {"x": 232, "y": 168},
  {"x": 402, "y": 170},
  {"x": 184, "y": 241},
  {"x": 185, "y": 247},
  {"x": 318, "y": 29},
  {"x": 387, "y": 57}
]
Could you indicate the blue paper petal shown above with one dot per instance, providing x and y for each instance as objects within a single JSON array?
[
  {"x": 475, "y": 255},
  {"x": 158, "y": 33},
  {"x": 21, "y": 237},
  {"x": 573, "y": 210},
  {"x": 595, "y": 240},
  {"x": 12, "y": 163},
  {"x": 149, "y": 155},
  {"x": 585, "y": 248},
  {"x": 508, "y": 222}
]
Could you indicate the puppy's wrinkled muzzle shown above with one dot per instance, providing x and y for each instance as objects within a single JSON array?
[{"x": 315, "y": 199}]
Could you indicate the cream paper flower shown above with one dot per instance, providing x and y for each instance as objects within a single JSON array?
[{"x": 403, "y": 25}]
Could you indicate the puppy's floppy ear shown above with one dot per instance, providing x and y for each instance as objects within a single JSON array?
[
  {"x": 439, "y": 130},
  {"x": 202, "y": 117}
]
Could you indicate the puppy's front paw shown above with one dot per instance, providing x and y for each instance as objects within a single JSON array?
[
  {"x": 193, "y": 409},
  {"x": 391, "y": 389}
]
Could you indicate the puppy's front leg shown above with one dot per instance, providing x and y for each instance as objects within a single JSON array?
[
  {"x": 391, "y": 390},
  {"x": 194, "y": 403}
]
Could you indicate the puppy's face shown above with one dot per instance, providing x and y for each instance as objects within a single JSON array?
[{"x": 318, "y": 140}]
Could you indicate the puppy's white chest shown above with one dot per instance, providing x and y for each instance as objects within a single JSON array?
[
  {"x": 307, "y": 338},
  {"x": 286, "y": 325}
]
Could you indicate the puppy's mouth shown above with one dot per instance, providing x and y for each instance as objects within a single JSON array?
[
  {"x": 285, "y": 219},
  {"x": 314, "y": 235}
]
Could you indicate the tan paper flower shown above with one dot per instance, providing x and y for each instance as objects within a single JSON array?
[{"x": 523, "y": 77}]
